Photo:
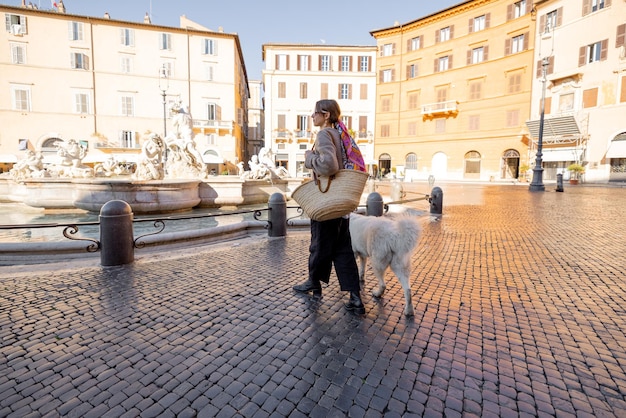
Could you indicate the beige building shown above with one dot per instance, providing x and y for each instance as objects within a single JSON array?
[
  {"x": 298, "y": 75},
  {"x": 583, "y": 46},
  {"x": 256, "y": 119},
  {"x": 454, "y": 90},
  {"x": 108, "y": 83}
]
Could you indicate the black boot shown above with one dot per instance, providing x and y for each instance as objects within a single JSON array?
[
  {"x": 355, "y": 304},
  {"x": 309, "y": 286}
]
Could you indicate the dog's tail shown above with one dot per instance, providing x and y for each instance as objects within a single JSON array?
[{"x": 409, "y": 231}]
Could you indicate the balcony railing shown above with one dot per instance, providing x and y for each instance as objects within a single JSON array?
[
  {"x": 447, "y": 107},
  {"x": 214, "y": 124}
]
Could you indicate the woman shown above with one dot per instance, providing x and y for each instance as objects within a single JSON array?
[{"x": 330, "y": 240}]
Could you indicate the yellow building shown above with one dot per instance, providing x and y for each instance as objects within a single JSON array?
[
  {"x": 453, "y": 92},
  {"x": 108, "y": 83}
]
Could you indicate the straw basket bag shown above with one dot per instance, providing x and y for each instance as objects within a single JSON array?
[{"x": 331, "y": 197}]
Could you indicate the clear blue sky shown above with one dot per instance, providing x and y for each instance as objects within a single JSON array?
[{"x": 257, "y": 22}]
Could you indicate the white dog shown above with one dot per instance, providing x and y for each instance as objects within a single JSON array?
[{"x": 387, "y": 242}]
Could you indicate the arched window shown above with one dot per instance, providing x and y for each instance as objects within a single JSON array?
[
  {"x": 472, "y": 164},
  {"x": 411, "y": 161}
]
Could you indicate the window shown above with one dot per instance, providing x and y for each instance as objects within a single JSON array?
[
  {"x": 475, "y": 90},
  {"x": 15, "y": 24},
  {"x": 519, "y": 9},
  {"x": 593, "y": 52},
  {"x": 385, "y": 104},
  {"x": 282, "y": 90},
  {"x": 384, "y": 131},
  {"x": 324, "y": 91},
  {"x": 324, "y": 62},
  {"x": 303, "y": 126},
  {"x": 444, "y": 34},
  {"x": 75, "y": 31},
  {"x": 362, "y": 126},
  {"x": 411, "y": 71},
  {"x": 127, "y": 37},
  {"x": 81, "y": 103},
  {"x": 127, "y": 106},
  {"x": 442, "y": 64},
  {"x": 413, "y": 100},
  {"x": 209, "y": 47},
  {"x": 282, "y": 61},
  {"x": 597, "y": 5},
  {"x": 347, "y": 120},
  {"x": 363, "y": 95},
  {"x": 411, "y": 161},
  {"x": 364, "y": 64},
  {"x": 127, "y": 139},
  {"x": 472, "y": 162},
  {"x": 345, "y": 63},
  {"x": 442, "y": 94},
  {"x": 386, "y": 76},
  {"x": 474, "y": 123},
  {"x": 211, "y": 111},
  {"x": 345, "y": 91},
  {"x": 415, "y": 43},
  {"x": 515, "y": 83},
  {"x": 79, "y": 61},
  {"x": 517, "y": 43},
  {"x": 165, "y": 41},
  {"x": 550, "y": 23},
  {"x": 303, "y": 90},
  {"x": 512, "y": 118},
  {"x": 18, "y": 54},
  {"x": 477, "y": 55},
  {"x": 566, "y": 102},
  {"x": 590, "y": 98},
  {"x": 622, "y": 95},
  {"x": 304, "y": 62},
  {"x": 208, "y": 71},
  {"x": 126, "y": 64},
  {"x": 388, "y": 50},
  {"x": 21, "y": 97},
  {"x": 411, "y": 128},
  {"x": 440, "y": 126},
  {"x": 478, "y": 23}
]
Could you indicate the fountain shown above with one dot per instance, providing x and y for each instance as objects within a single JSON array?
[{"x": 170, "y": 176}]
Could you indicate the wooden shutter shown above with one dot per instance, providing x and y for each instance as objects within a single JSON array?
[
  {"x": 559, "y": 16},
  {"x": 582, "y": 55},
  {"x": 604, "y": 49},
  {"x": 485, "y": 52},
  {"x": 509, "y": 12},
  {"x": 470, "y": 28},
  {"x": 487, "y": 20},
  {"x": 469, "y": 56},
  {"x": 620, "y": 36},
  {"x": 451, "y": 31},
  {"x": 586, "y": 7},
  {"x": 507, "y": 46}
]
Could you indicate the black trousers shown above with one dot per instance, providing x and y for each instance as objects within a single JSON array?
[{"x": 330, "y": 244}]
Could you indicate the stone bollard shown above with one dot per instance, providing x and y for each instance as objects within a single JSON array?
[
  {"x": 559, "y": 182},
  {"x": 436, "y": 201},
  {"x": 374, "y": 204},
  {"x": 117, "y": 243},
  {"x": 397, "y": 192},
  {"x": 277, "y": 215}
]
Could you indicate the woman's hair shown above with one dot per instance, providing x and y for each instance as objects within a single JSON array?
[{"x": 329, "y": 106}]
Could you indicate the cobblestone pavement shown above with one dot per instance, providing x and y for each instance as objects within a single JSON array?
[{"x": 520, "y": 302}]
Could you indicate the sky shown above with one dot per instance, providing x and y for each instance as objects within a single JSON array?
[{"x": 258, "y": 22}]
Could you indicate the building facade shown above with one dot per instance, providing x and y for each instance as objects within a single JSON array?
[
  {"x": 109, "y": 83},
  {"x": 256, "y": 119},
  {"x": 296, "y": 76},
  {"x": 580, "y": 71},
  {"x": 453, "y": 92}
]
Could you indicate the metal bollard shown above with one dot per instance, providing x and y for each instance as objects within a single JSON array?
[
  {"x": 374, "y": 204},
  {"x": 397, "y": 192},
  {"x": 436, "y": 201},
  {"x": 116, "y": 233},
  {"x": 559, "y": 182},
  {"x": 277, "y": 215}
]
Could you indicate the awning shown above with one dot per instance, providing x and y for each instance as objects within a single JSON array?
[
  {"x": 570, "y": 154},
  {"x": 8, "y": 158},
  {"x": 617, "y": 149},
  {"x": 558, "y": 126}
]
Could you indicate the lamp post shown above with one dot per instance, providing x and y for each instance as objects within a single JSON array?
[
  {"x": 164, "y": 84},
  {"x": 537, "y": 184}
]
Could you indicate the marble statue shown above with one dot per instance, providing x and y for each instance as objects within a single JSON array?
[
  {"x": 183, "y": 159},
  {"x": 262, "y": 166},
  {"x": 29, "y": 167},
  {"x": 72, "y": 154},
  {"x": 150, "y": 164}
]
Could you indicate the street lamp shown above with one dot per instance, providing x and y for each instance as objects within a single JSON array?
[
  {"x": 537, "y": 183},
  {"x": 164, "y": 84}
]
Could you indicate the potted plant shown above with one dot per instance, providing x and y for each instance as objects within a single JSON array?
[{"x": 576, "y": 171}]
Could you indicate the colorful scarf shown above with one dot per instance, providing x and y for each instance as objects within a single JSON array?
[{"x": 354, "y": 159}]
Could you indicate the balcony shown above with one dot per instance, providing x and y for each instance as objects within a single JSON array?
[{"x": 447, "y": 108}]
